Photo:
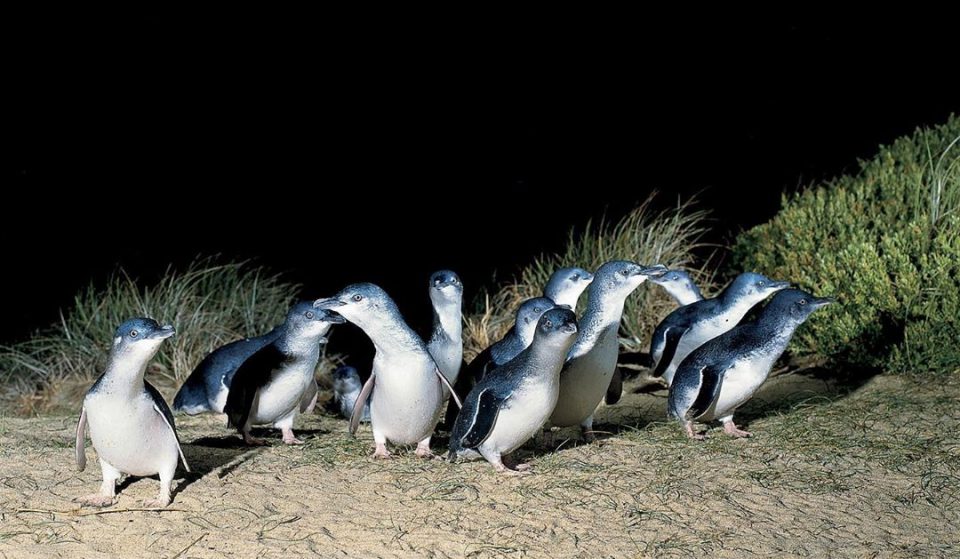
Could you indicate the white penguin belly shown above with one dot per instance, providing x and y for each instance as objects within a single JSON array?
[
  {"x": 522, "y": 418},
  {"x": 406, "y": 401},
  {"x": 281, "y": 396},
  {"x": 694, "y": 338},
  {"x": 130, "y": 435},
  {"x": 449, "y": 364},
  {"x": 740, "y": 382},
  {"x": 583, "y": 383}
]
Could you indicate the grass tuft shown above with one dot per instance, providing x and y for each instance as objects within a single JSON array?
[{"x": 209, "y": 303}]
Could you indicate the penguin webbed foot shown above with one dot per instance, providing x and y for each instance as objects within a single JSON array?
[
  {"x": 423, "y": 451},
  {"x": 731, "y": 429},
  {"x": 158, "y": 503},
  {"x": 381, "y": 452},
  {"x": 520, "y": 467},
  {"x": 96, "y": 500},
  {"x": 289, "y": 438},
  {"x": 688, "y": 427}
]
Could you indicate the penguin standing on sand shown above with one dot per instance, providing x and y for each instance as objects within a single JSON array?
[
  {"x": 131, "y": 426},
  {"x": 690, "y": 326},
  {"x": 346, "y": 390},
  {"x": 270, "y": 387},
  {"x": 409, "y": 395},
  {"x": 592, "y": 360},
  {"x": 725, "y": 372},
  {"x": 507, "y": 408},
  {"x": 446, "y": 340}
]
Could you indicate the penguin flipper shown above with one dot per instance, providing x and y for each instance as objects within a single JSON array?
[
  {"x": 673, "y": 336},
  {"x": 160, "y": 405},
  {"x": 446, "y": 383},
  {"x": 711, "y": 380},
  {"x": 309, "y": 399},
  {"x": 615, "y": 390},
  {"x": 484, "y": 419},
  {"x": 81, "y": 428},
  {"x": 360, "y": 404},
  {"x": 253, "y": 374}
]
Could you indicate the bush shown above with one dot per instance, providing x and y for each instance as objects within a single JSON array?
[
  {"x": 209, "y": 304},
  {"x": 886, "y": 243},
  {"x": 646, "y": 237}
]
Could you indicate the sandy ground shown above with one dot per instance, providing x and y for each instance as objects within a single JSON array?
[{"x": 835, "y": 470}]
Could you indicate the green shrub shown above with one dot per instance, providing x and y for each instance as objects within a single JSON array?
[
  {"x": 886, "y": 242},
  {"x": 209, "y": 304},
  {"x": 644, "y": 236}
]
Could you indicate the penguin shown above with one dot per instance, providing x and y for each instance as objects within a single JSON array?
[
  {"x": 507, "y": 407},
  {"x": 346, "y": 389},
  {"x": 131, "y": 426},
  {"x": 593, "y": 358},
  {"x": 270, "y": 387},
  {"x": 688, "y": 327},
  {"x": 518, "y": 338},
  {"x": 409, "y": 395},
  {"x": 679, "y": 285},
  {"x": 446, "y": 340},
  {"x": 724, "y": 373},
  {"x": 565, "y": 286}
]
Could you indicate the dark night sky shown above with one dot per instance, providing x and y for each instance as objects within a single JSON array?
[{"x": 395, "y": 137}]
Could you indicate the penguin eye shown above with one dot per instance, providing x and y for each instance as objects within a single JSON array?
[
  {"x": 134, "y": 333},
  {"x": 803, "y": 301},
  {"x": 760, "y": 283},
  {"x": 357, "y": 298},
  {"x": 575, "y": 277},
  {"x": 548, "y": 324},
  {"x": 536, "y": 309},
  {"x": 309, "y": 314}
]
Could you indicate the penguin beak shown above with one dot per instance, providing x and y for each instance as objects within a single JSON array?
[
  {"x": 333, "y": 318},
  {"x": 818, "y": 302},
  {"x": 163, "y": 333},
  {"x": 650, "y": 271},
  {"x": 778, "y": 285},
  {"x": 570, "y": 328},
  {"x": 328, "y": 303}
]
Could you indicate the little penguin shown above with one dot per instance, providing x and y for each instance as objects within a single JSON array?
[
  {"x": 565, "y": 286},
  {"x": 446, "y": 340},
  {"x": 406, "y": 404},
  {"x": 270, "y": 387},
  {"x": 346, "y": 390},
  {"x": 507, "y": 407},
  {"x": 593, "y": 358},
  {"x": 690, "y": 326},
  {"x": 131, "y": 426},
  {"x": 518, "y": 338},
  {"x": 679, "y": 285},
  {"x": 206, "y": 389},
  {"x": 724, "y": 373}
]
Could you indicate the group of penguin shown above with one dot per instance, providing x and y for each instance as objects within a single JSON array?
[{"x": 550, "y": 370}]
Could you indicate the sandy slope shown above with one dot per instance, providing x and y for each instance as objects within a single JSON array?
[{"x": 846, "y": 478}]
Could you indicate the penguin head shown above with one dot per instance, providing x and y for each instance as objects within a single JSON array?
[
  {"x": 567, "y": 284},
  {"x": 558, "y": 327},
  {"x": 363, "y": 304},
  {"x": 305, "y": 320},
  {"x": 677, "y": 279},
  {"x": 346, "y": 379},
  {"x": 621, "y": 277},
  {"x": 140, "y": 338},
  {"x": 445, "y": 287},
  {"x": 751, "y": 288},
  {"x": 795, "y": 305}
]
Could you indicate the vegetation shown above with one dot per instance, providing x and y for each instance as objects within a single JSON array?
[
  {"x": 209, "y": 303},
  {"x": 645, "y": 236},
  {"x": 886, "y": 242}
]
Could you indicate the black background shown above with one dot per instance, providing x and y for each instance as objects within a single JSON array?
[{"x": 381, "y": 157}]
